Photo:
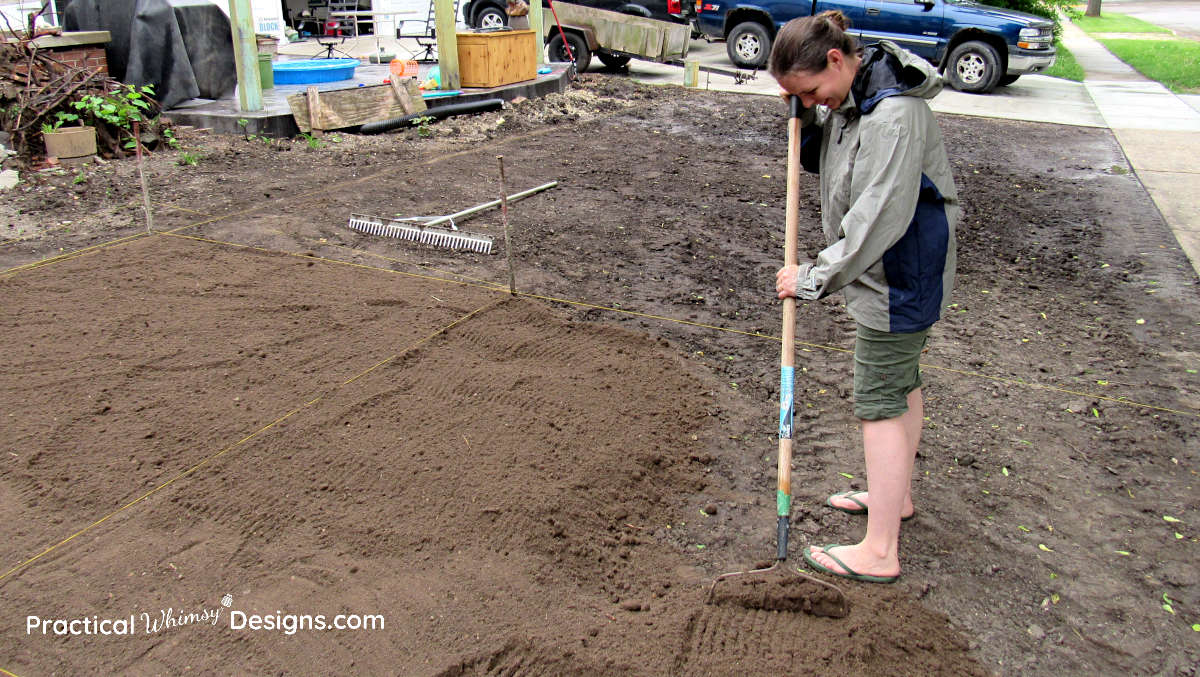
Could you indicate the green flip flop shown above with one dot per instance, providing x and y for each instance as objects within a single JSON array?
[
  {"x": 848, "y": 572},
  {"x": 861, "y": 510}
]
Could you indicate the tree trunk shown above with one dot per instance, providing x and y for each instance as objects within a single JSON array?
[{"x": 1093, "y": 8}]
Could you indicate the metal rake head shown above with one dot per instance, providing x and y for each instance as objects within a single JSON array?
[{"x": 417, "y": 231}]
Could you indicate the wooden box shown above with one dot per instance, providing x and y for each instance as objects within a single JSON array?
[{"x": 498, "y": 58}]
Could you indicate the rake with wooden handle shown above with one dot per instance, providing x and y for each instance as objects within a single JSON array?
[
  {"x": 439, "y": 231},
  {"x": 826, "y": 599}
]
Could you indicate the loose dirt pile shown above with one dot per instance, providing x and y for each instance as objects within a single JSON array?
[{"x": 546, "y": 487}]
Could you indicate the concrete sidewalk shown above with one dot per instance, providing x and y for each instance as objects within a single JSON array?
[{"x": 1158, "y": 130}]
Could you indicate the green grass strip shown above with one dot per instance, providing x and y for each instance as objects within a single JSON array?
[
  {"x": 1174, "y": 63},
  {"x": 1065, "y": 66},
  {"x": 1116, "y": 23}
]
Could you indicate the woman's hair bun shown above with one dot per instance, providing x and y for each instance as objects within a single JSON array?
[{"x": 836, "y": 18}]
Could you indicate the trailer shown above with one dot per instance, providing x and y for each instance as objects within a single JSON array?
[{"x": 612, "y": 36}]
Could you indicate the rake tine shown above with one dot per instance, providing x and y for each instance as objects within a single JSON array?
[{"x": 418, "y": 229}]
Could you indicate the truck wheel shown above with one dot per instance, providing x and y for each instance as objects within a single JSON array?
[
  {"x": 1007, "y": 80},
  {"x": 748, "y": 45},
  {"x": 491, "y": 17},
  {"x": 974, "y": 67},
  {"x": 613, "y": 61},
  {"x": 579, "y": 49}
]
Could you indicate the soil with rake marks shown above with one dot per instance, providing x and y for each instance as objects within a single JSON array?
[{"x": 264, "y": 415}]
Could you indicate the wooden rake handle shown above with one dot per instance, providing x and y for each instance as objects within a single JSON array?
[{"x": 787, "y": 357}]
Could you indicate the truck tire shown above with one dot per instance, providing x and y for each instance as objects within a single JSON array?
[
  {"x": 974, "y": 67},
  {"x": 1007, "y": 80},
  {"x": 748, "y": 45},
  {"x": 491, "y": 17},
  {"x": 579, "y": 49},
  {"x": 612, "y": 61}
]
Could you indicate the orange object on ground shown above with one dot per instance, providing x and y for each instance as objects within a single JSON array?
[{"x": 403, "y": 69}]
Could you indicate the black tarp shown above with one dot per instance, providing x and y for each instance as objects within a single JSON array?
[{"x": 184, "y": 48}]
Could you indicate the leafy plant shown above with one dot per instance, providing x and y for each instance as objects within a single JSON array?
[
  {"x": 422, "y": 125},
  {"x": 313, "y": 142},
  {"x": 188, "y": 159},
  {"x": 80, "y": 178},
  {"x": 169, "y": 138},
  {"x": 1048, "y": 9},
  {"x": 244, "y": 123},
  {"x": 59, "y": 118},
  {"x": 120, "y": 108}
]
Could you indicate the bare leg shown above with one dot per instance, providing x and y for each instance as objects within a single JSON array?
[
  {"x": 913, "y": 423},
  {"x": 890, "y": 448}
]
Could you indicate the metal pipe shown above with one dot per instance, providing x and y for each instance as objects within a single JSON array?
[
  {"x": 438, "y": 112},
  {"x": 489, "y": 205}
]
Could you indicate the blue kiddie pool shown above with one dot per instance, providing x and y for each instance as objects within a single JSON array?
[{"x": 311, "y": 71}]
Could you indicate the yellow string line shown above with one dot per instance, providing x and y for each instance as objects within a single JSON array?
[
  {"x": 71, "y": 255},
  {"x": 486, "y": 286},
  {"x": 309, "y": 196},
  {"x": 6, "y": 672},
  {"x": 242, "y": 441},
  {"x": 387, "y": 258},
  {"x": 135, "y": 204},
  {"x": 493, "y": 287}
]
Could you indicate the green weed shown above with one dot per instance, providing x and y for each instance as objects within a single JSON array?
[
  {"x": 313, "y": 142},
  {"x": 422, "y": 124}
]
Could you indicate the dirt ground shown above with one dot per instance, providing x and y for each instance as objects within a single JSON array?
[{"x": 257, "y": 401}]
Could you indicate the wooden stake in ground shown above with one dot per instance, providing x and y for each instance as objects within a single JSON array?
[
  {"x": 512, "y": 286},
  {"x": 137, "y": 142}
]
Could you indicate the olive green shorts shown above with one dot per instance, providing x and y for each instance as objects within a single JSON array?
[{"x": 886, "y": 370}]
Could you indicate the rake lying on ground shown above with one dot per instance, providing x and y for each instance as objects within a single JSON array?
[{"x": 430, "y": 229}]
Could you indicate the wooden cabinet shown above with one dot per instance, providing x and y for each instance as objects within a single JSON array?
[{"x": 496, "y": 58}]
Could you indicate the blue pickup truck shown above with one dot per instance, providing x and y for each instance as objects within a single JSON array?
[{"x": 977, "y": 47}]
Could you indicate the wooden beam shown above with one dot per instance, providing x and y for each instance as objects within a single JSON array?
[
  {"x": 408, "y": 94},
  {"x": 341, "y": 108},
  {"x": 535, "y": 22},
  {"x": 447, "y": 43},
  {"x": 245, "y": 56}
]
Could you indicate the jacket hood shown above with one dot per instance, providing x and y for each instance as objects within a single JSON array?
[{"x": 887, "y": 70}]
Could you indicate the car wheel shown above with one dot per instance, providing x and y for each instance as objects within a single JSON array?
[
  {"x": 613, "y": 61},
  {"x": 974, "y": 67},
  {"x": 748, "y": 45},
  {"x": 491, "y": 17},
  {"x": 1007, "y": 80},
  {"x": 579, "y": 49}
]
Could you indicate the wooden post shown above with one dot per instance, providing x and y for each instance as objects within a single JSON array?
[
  {"x": 245, "y": 56},
  {"x": 314, "y": 111},
  {"x": 447, "y": 43},
  {"x": 512, "y": 284},
  {"x": 137, "y": 140},
  {"x": 535, "y": 22}
]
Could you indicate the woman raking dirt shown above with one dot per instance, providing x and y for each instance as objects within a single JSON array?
[{"x": 888, "y": 212}]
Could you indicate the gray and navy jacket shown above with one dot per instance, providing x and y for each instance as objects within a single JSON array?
[{"x": 888, "y": 202}]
